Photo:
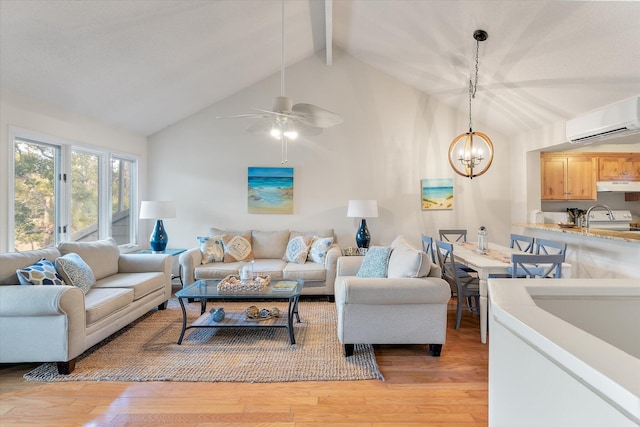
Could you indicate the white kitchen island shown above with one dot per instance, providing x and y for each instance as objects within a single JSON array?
[
  {"x": 564, "y": 352},
  {"x": 598, "y": 254}
]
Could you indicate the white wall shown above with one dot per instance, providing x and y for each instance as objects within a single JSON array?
[
  {"x": 392, "y": 137},
  {"x": 18, "y": 111}
]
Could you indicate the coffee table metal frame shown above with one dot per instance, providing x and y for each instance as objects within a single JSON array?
[{"x": 204, "y": 290}]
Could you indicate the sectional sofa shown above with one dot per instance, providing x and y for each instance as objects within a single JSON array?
[{"x": 57, "y": 323}]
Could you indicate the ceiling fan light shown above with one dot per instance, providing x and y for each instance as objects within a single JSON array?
[
  {"x": 275, "y": 132},
  {"x": 291, "y": 134}
]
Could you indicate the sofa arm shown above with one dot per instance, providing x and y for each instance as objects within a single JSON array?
[
  {"x": 27, "y": 301},
  {"x": 349, "y": 265},
  {"x": 144, "y": 263},
  {"x": 189, "y": 260},
  {"x": 41, "y": 323},
  {"x": 385, "y": 291}
]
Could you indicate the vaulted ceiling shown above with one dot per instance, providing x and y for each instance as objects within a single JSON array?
[{"x": 144, "y": 65}]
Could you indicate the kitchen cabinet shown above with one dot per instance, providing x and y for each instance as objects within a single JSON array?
[
  {"x": 568, "y": 176},
  {"x": 619, "y": 167}
]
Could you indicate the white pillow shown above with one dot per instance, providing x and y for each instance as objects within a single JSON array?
[
  {"x": 319, "y": 248},
  {"x": 212, "y": 249},
  {"x": 407, "y": 261},
  {"x": 297, "y": 249}
]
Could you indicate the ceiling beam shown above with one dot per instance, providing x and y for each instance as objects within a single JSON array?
[{"x": 328, "y": 32}]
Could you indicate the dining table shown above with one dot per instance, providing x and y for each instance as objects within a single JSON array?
[{"x": 495, "y": 260}]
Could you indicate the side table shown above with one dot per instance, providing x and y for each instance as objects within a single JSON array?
[{"x": 173, "y": 252}]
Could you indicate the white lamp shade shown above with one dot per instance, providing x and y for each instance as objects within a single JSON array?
[
  {"x": 157, "y": 209},
  {"x": 362, "y": 209}
]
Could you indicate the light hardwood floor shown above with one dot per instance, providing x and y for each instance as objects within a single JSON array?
[{"x": 418, "y": 390}]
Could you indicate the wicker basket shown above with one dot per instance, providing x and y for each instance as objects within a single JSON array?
[{"x": 232, "y": 283}]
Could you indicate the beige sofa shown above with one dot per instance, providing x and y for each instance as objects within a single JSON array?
[
  {"x": 406, "y": 306},
  {"x": 268, "y": 249},
  {"x": 58, "y": 323}
]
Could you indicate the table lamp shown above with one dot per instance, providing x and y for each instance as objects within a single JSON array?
[
  {"x": 158, "y": 210},
  {"x": 363, "y": 209}
]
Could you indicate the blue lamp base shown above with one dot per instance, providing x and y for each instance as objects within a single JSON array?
[
  {"x": 159, "y": 238},
  {"x": 362, "y": 236}
]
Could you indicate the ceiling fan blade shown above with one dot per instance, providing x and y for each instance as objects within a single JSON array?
[
  {"x": 245, "y": 116},
  {"x": 313, "y": 115},
  {"x": 306, "y": 130}
]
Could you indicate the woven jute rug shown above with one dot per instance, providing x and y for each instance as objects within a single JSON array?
[{"x": 147, "y": 350}]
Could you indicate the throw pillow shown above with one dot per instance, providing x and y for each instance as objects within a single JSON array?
[
  {"x": 407, "y": 261},
  {"x": 319, "y": 248},
  {"x": 42, "y": 272},
  {"x": 375, "y": 262},
  {"x": 212, "y": 249},
  {"x": 75, "y": 271},
  {"x": 297, "y": 250},
  {"x": 237, "y": 248}
]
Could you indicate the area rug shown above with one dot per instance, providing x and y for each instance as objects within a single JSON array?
[{"x": 147, "y": 350}]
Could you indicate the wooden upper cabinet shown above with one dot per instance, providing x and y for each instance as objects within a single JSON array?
[
  {"x": 568, "y": 176},
  {"x": 619, "y": 167}
]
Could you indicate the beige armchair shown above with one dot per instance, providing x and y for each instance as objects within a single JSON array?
[{"x": 397, "y": 309}]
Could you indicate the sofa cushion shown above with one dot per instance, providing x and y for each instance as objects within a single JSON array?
[
  {"x": 101, "y": 302},
  {"x": 212, "y": 249},
  {"x": 101, "y": 255},
  {"x": 237, "y": 248},
  {"x": 375, "y": 262},
  {"x": 297, "y": 249},
  {"x": 75, "y": 271},
  {"x": 407, "y": 261},
  {"x": 12, "y": 261},
  {"x": 270, "y": 267},
  {"x": 269, "y": 244},
  {"x": 42, "y": 272},
  {"x": 142, "y": 283},
  {"x": 326, "y": 232},
  {"x": 216, "y": 270},
  {"x": 319, "y": 248},
  {"x": 309, "y": 271}
]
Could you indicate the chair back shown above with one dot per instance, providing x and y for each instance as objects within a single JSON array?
[
  {"x": 453, "y": 235},
  {"x": 522, "y": 243},
  {"x": 537, "y": 266},
  {"x": 427, "y": 247},
  {"x": 550, "y": 247}
]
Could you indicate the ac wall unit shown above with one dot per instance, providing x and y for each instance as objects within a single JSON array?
[{"x": 618, "y": 119}]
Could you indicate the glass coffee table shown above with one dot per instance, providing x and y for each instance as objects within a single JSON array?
[{"x": 205, "y": 290}]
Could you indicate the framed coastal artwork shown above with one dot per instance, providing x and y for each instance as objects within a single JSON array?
[
  {"x": 270, "y": 190},
  {"x": 437, "y": 193}
]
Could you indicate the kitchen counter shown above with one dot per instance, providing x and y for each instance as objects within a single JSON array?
[
  {"x": 593, "y": 232},
  {"x": 598, "y": 254}
]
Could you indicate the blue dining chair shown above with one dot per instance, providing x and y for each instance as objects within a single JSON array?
[
  {"x": 522, "y": 243},
  {"x": 467, "y": 286},
  {"x": 536, "y": 266},
  {"x": 427, "y": 247}
]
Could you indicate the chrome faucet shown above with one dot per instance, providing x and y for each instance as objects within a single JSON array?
[{"x": 611, "y": 217}]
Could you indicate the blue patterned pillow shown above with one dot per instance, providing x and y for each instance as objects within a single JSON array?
[
  {"x": 212, "y": 249},
  {"x": 75, "y": 271},
  {"x": 42, "y": 272},
  {"x": 375, "y": 262},
  {"x": 319, "y": 248},
  {"x": 297, "y": 250}
]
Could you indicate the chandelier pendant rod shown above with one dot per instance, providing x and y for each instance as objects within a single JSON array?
[{"x": 282, "y": 55}]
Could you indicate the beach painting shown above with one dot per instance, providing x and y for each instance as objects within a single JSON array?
[
  {"x": 270, "y": 190},
  {"x": 437, "y": 194}
]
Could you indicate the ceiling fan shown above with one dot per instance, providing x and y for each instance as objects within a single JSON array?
[{"x": 286, "y": 121}]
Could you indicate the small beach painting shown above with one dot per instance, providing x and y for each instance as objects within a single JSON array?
[
  {"x": 270, "y": 190},
  {"x": 437, "y": 193}
]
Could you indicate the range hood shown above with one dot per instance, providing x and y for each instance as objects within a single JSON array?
[{"x": 619, "y": 186}]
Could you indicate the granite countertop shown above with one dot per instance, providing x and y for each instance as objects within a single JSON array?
[{"x": 593, "y": 232}]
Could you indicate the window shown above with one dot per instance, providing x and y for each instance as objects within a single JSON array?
[
  {"x": 35, "y": 204},
  {"x": 64, "y": 192}
]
